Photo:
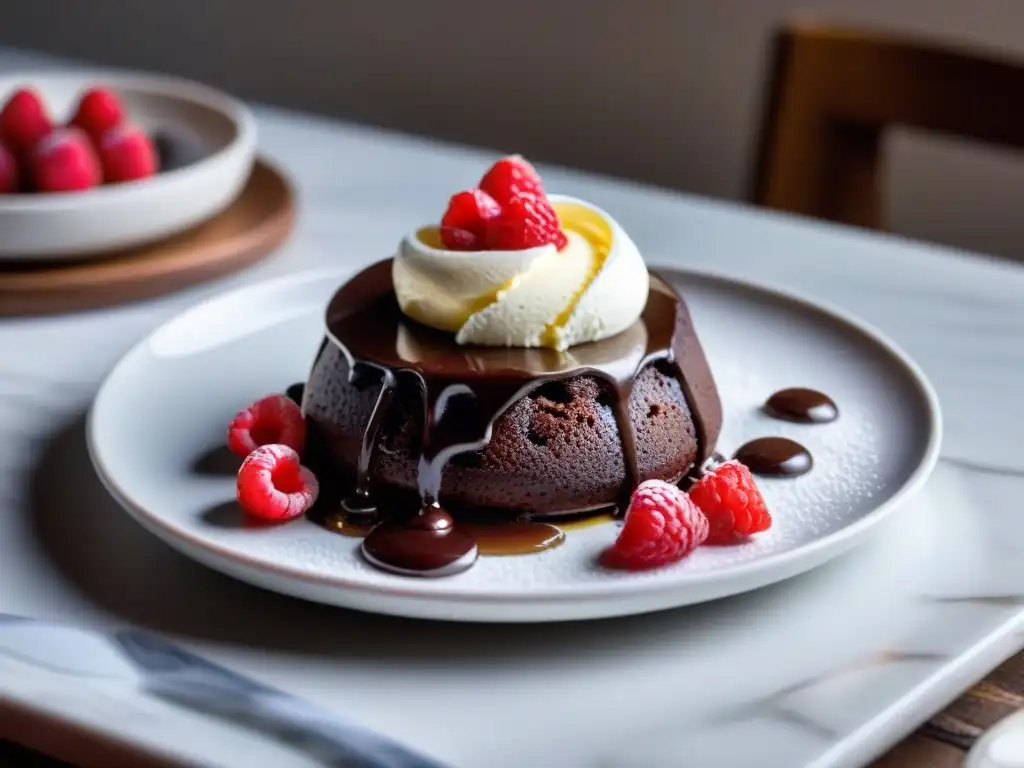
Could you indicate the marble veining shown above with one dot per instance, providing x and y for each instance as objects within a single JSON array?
[
  {"x": 922, "y": 610},
  {"x": 984, "y": 468},
  {"x": 994, "y": 601},
  {"x": 779, "y": 705}
]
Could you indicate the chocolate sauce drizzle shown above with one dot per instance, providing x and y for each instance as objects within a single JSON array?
[
  {"x": 359, "y": 502},
  {"x": 466, "y": 389}
]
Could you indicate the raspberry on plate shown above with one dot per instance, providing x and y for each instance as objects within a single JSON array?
[
  {"x": 468, "y": 213},
  {"x": 98, "y": 111},
  {"x": 8, "y": 171},
  {"x": 511, "y": 177},
  {"x": 272, "y": 419},
  {"x": 732, "y": 502},
  {"x": 126, "y": 154},
  {"x": 525, "y": 222},
  {"x": 662, "y": 525},
  {"x": 64, "y": 162},
  {"x": 273, "y": 485},
  {"x": 24, "y": 120}
]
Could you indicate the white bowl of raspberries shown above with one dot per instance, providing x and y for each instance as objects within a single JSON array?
[{"x": 96, "y": 161}]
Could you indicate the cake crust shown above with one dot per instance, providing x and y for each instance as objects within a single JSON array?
[
  {"x": 555, "y": 451},
  {"x": 550, "y": 432}
]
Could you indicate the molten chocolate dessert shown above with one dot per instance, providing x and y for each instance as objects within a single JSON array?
[
  {"x": 408, "y": 415},
  {"x": 508, "y": 376}
]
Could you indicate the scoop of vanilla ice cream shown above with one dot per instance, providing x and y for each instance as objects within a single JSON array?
[{"x": 593, "y": 288}]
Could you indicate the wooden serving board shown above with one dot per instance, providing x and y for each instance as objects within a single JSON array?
[{"x": 259, "y": 220}]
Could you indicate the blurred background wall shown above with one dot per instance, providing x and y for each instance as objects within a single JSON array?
[{"x": 668, "y": 91}]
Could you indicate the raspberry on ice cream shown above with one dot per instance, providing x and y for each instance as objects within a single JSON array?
[
  {"x": 455, "y": 239},
  {"x": 511, "y": 177},
  {"x": 525, "y": 222},
  {"x": 468, "y": 212}
]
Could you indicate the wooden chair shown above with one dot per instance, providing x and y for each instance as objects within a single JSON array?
[{"x": 834, "y": 91}]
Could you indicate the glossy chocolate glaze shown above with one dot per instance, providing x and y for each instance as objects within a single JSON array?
[
  {"x": 466, "y": 389},
  {"x": 804, "y": 406},
  {"x": 775, "y": 457},
  {"x": 359, "y": 501},
  {"x": 428, "y": 544}
]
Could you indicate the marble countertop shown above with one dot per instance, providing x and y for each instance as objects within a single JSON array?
[{"x": 67, "y": 553}]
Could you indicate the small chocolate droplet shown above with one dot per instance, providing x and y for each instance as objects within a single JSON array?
[
  {"x": 775, "y": 457},
  {"x": 805, "y": 406}
]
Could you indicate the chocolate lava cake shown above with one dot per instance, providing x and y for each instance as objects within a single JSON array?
[{"x": 555, "y": 421}]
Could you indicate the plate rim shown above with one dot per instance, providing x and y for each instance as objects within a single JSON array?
[{"x": 816, "y": 552}]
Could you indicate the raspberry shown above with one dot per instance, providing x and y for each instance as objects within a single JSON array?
[
  {"x": 461, "y": 239},
  {"x": 273, "y": 485},
  {"x": 468, "y": 212},
  {"x": 730, "y": 499},
  {"x": 64, "y": 162},
  {"x": 662, "y": 525},
  {"x": 525, "y": 222},
  {"x": 98, "y": 111},
  {"x": 8, "y": 171},
  {"x": 24, "y": 121},
  {"x": 126, "y": 154},
  {"x": 511, "y": 177},
  {"x": 273, "y": 419}
]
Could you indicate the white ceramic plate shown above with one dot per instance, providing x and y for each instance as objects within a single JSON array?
[
  {"x": 159, "y": 419},
  {"x": 82, "y": 224}
]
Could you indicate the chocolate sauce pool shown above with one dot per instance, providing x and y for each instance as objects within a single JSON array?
[
  {"x": 780, "y": 456},
  {"x": 805, "y": 406},
  {"x": 428, "y": 544},
  {"x": 520, "y": 537},
  {"x": 775, "y": 457},
  {"x": 466, "y": 389}
]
